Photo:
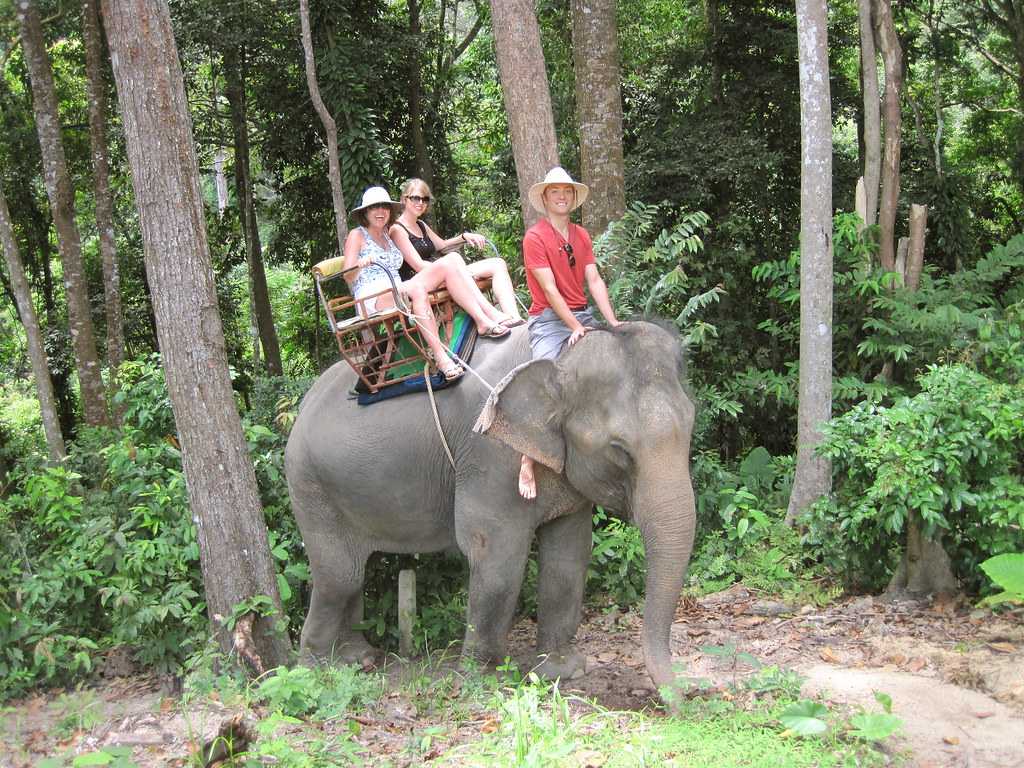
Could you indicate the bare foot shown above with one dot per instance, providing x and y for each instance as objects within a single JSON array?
[{"x": 527, "y": 482}]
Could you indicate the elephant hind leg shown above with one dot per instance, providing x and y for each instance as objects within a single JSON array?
[{"x": 328, "y": 635}]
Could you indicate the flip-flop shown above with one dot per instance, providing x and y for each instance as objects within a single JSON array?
[
  {"x": 452, "y": 372},
  {"x": 496, "y": 331},
  {"x": 513, "y": 322}
]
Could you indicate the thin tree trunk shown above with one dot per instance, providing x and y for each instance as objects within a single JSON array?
[
  {"x": 872, "y": 116},
  {"x": 230, "y": 529},
  {"x": 813, "y": 472},
  {"x": 524, "y": 85},
  {"x": 595, "y": 47},
  {"x": 36, "y": 349},
  {"x": 712, "y": 20},
  {"x": 915, "y": 251},
  {"x": 104, "y": 198},
  {"x": 62, "y": 205},
  {"x": 234, "y": 75},
  {"x": 330, "y": 129},
  {"x": 222, "y": 183},
  {"x": 424, "y": 168},
  {"x": 892, "y": 58}
]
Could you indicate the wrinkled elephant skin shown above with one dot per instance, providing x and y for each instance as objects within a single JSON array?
[{"x": 609, "y": 424}]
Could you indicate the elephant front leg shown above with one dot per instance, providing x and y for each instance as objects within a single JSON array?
[
  {"x": 497, "y": 555},
  {"x": 563, "y": 552}
]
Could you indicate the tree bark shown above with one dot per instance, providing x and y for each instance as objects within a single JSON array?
[
  {"x": 424, "y": 168},
  {"x": 524, "y": 85},
  {"x": 104, "y": 198},
  {"x": 925, "y": 568},
  {"x": 36, "y": 349},
  {"x": 595, "y": 47},
  {"x": 915, "y": 251},
  {"x": 230, "y": 529},
  {"x": 330, "y": 129},
  {"x": 872, "y": 116},
  {"x": 813, "y": 472},
  {"x": 234, "y": 75},
  {"x": 892, "y": 58},
  {"x": 62, "y": 204}
]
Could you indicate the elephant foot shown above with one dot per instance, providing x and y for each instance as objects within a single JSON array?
[
  {"x": 566, "y": 663},
  {"x": 354, "y": 651}
]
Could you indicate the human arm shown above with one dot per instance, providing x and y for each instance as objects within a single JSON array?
[
  {"x": 546, "y": 280},
  {"x": 599, "y": 293},
  {"x": 353, "y": 244},
  {"x": 470, "y": 238}
]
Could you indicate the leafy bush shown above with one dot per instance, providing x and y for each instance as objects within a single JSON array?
[
  {"x": 1007, "y": 573},
  {"x": 952, "y": 454}
]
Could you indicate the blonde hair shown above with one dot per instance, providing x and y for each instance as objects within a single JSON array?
[{"x": 411, "y": 184}]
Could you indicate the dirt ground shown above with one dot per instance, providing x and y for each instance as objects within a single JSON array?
[{"x": 955, "y": 676}]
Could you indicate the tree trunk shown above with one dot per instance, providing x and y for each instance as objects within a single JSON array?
[
  {"x": 892, "y": 58},
  {"x": 36, "y": 349},
  {"x": 915, "y": 251},
  {"x": 872, "y": 117},
  {"x": 524, "y": 85},
  {"x": 925, "y": 568},
  {"x": 813, "y": 472},
  {"x": 221, "y": 180},
  {"x": 713, "y": 41},
  {"x": 424, "y": 168},
  {"x": 595, "y": 47},
  {"x": 230, "y": 529},
  {"x": 104, "y": 198},
  {"x": 62, "y": 205},
  {"x": 234, "y": 75},
  {"x": 330, "y": 129}
]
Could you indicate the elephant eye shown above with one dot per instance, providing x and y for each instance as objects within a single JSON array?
[{"x": 619, "y": 455}]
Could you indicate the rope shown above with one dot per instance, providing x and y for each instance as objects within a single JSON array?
[
  {"x": 423, "y": 330},
  {"x": 437, "y": 419}
]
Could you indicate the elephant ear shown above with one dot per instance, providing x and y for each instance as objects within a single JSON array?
[{"x": 525, "y": 413}]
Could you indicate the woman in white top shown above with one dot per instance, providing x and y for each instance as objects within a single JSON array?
[{"x": 371, "y": 249}]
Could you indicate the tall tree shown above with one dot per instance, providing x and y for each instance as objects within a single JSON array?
[
  {"x": 330, "y": 128},
  {"x": 62, "y": 204},
  {"x": 36, "y": 350},
  {"x": 813, "y": 472},
  {"x": 424, "y": 168},
  {"x": 101, "y": 187},
  {"x": 595, "y": 45},
  {"x": 872, "y": 117},
  {"x": 524, "y": 86},
  {"x": 233, "y": 547},
  {"x": 892, "y": 60},
  {"x": 235, "y": 79}
]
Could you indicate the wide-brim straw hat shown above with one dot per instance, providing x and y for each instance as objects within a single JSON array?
[
  {"x": 556, "y": 175},
  {"x": 377, "y": 196}
]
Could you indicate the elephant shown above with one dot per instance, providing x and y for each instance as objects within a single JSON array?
[{"x": 608, "y": 422}]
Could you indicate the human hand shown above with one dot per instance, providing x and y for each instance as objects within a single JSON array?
[
  {"x": 365, "y": 262},
  {"x": 477, "y": 241},
  {"x": 578, "y": 334}
]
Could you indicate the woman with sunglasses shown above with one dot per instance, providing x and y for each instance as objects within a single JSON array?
[
  {"x": 420, "y": 245},
  {"x": 369, "y": 247}
]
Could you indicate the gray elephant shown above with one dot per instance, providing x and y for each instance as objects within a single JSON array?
[{"x": 609, "y": 422}]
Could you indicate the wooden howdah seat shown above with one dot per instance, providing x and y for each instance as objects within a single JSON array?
[{"x": 383, "y": 347}]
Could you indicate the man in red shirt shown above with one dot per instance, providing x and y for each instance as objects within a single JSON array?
[{"x": 559, "y": 259}]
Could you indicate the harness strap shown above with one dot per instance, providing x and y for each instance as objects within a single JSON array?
[{"x": 437, "y": 419}]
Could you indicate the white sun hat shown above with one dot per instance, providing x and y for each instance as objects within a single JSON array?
[
  {"x": 556, "y": 175},
  {"x": 377, "y": 196}
]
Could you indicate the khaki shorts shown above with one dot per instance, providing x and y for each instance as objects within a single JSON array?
[{"x": 548, "y": 334}]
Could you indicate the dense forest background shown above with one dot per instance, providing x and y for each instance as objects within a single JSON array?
[{"x": 99, "y": 549}]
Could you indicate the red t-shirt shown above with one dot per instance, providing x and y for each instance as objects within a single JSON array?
[{"x": 543, "y": 248}]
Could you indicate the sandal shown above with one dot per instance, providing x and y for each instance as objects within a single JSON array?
[
  {"x": 452, "y": 372},
  {"x": 496, "y": 331},
  {"x": 513, "y": 322}
]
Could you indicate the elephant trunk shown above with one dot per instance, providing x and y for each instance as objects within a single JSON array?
[{"x": 664, "y": 511}]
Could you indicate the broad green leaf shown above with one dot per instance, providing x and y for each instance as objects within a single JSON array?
[
  {"x": 805, "y": 718},
  {"x": 874, "y": 726}
]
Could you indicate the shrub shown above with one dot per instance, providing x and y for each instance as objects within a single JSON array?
[{"x": 952, "y": 454}]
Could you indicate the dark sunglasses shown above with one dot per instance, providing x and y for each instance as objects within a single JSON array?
[
  {"x": 567, "y": 247},
  {"x": 418, "y": 199}
]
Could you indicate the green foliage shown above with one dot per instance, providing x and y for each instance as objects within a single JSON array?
[
  {"x": 805, "y": 718},
  {"x": 324, "y": 693},
  {"x": 951, "y": 454},
  {"x": 1006, "y": 572},
  {"x": 617, "y": 563}
]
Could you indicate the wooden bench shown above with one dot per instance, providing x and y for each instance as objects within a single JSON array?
[{"x": 371, "y": 342}]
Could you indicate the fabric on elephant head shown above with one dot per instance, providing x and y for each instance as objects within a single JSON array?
[{"x": 463, "y": 341}]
